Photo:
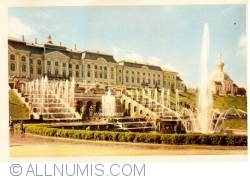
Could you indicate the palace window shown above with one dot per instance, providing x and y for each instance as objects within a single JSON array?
[
  {"x": 126, "y": 79},
  {"x": 77, "y": 67},
  {"x": 105, "y": 68},
  {"x": 56, "y": 72},
  {"x": 100, "y": 75},
  {"x": 143, "y": 74},
  {"x": 39, "y": 71},
  {"x": 23, "y": 58},
  {"x": 12, "y": 57},
  {"x": 70, "y": 65},
  {"x": 88, "y": 74},
  {"x": 31, "y": 61},
  {"x": 96, "y": 67},
  {"x": 120, "y": 71},
  {"x": 56, "y": 63},
  {"x": 13, "y": 67},
  {"x": 39, "y": 62},
  {"x": 138, "y": 73},
  {"x": 64, "y": 64},
  {"x": 24, "y": 68},
  {"x": 31, "y": 70},
  {"x": 77, "y": 74},
  {"x": 48, "y": 63},
  {"x": 88, "y": 66}
]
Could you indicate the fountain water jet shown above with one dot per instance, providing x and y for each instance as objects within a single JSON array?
[
  {"x": 205, "y": 101},
  {"x": 108, "y": 104}
]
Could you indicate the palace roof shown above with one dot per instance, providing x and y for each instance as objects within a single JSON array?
[
  {"x": 94, "y": 55},
  {"x": 140, "y": 65}
]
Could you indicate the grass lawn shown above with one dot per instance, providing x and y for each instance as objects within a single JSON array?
[
  {"x": 17, "y": 109},
  {"x": 240, "y": 124},
  {"x": 220, "y": 102}
]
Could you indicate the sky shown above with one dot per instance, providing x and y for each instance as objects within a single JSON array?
[{"x": 168, "y": 36}]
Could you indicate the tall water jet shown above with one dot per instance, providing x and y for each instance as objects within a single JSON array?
[{"x": 205, "y": 102}]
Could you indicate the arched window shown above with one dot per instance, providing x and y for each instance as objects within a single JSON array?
[
  {"x": 88, "y": 74},
  {"x": 77, "y": 67},
  {"x": 23, "y": 58},
  {"x": 23, "y": 68},
  {"x": 88, "y": 66},
  {"x": 13, "y": 67},
  {"x": 105, "y": 68},
  {"x": 39, "y": 71},
  {"x": 56, "y": 72},
  {"x": 12, "y": 57},
  {"x": 39, "y": 62},
  {"x": 31, "y": 70}
]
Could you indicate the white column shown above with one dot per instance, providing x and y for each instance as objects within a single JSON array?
[
  {"x": 67, "y": 68},
  {"x": 28, "y": 66},
  {"x": 17, "y": 66},
  {"x": 61, "y": 68},
  {"x": 45, "y": 67}
]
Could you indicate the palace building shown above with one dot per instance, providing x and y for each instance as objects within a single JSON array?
[{"x": 28, "y": 61}]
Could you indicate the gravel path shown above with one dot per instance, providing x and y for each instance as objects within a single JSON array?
[{"x": 38, "y": 146}]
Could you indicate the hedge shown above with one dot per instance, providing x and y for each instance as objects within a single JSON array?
[{"x": 175, "y": 139}]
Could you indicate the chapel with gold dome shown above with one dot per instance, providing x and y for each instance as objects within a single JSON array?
[{"x": 220, "y": 82}]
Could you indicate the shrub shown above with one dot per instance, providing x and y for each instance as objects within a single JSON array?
[{"x": 174, "y": 139}]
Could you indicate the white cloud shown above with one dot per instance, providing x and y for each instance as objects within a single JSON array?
[
  {"x": 243, "y": 41},
  {"x": 226, "y": 10},
  {"x": 45, "y": 14},
  {"x": 121, "y": 54},
  {"x": 169, "y": 67},
  {"x": 17, "y": 28},
  {"x": 242, "y": 44}
]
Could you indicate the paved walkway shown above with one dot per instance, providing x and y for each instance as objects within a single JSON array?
[{"x": 38, "y": 146}]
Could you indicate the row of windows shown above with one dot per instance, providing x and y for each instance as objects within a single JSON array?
[
  {"x": 24, "y": 69},
  {"x": 63, "y": 64},
  {"x": 23, "y": 58},
  {"x": 138, "y": 80},
  {"x": 138, "y": 73}
]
